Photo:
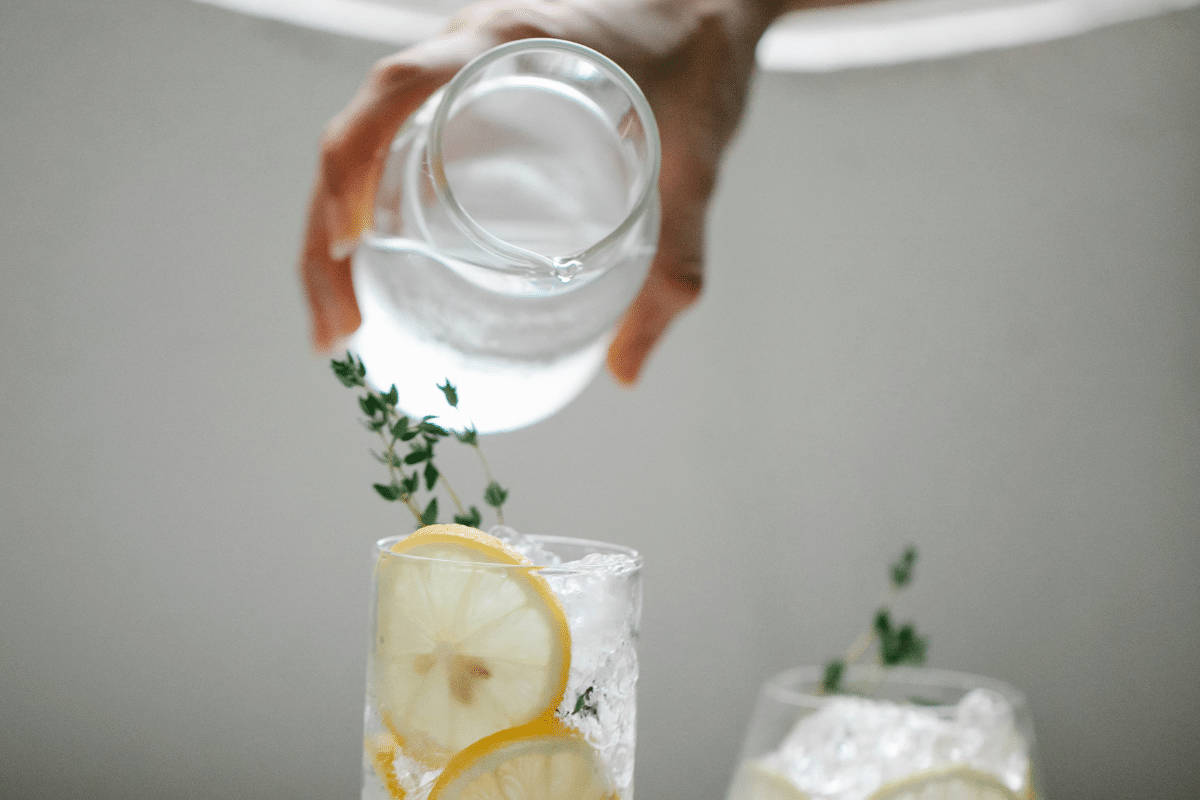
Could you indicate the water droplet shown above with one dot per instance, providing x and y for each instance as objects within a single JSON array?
[{"x": 565, "y": 268}]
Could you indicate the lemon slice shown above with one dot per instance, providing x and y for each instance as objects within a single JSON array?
[
  {"x": 381, "y": 749},
  {"x": 756, "y": 781},
  {"x": 542, "y": 760},
  {"x": 465, "y": 644},
  {"x": 956, "y": 783}
]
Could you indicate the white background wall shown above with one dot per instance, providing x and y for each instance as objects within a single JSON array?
[{"x": 954, "y": 303}]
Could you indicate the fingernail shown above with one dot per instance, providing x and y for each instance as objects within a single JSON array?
[{"x": 341, "y": 249}]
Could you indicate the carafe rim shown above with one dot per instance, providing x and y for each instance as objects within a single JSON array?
[{"x": 522, "y": 260}]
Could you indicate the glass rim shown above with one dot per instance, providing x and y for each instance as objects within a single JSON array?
[
  {"x": 383, "y": 547},
  {"x": 786, "y": 686},
  {"x": 531, "y": 262}
]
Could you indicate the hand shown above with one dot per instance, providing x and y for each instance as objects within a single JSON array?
[{"x": 692, "y": 58}]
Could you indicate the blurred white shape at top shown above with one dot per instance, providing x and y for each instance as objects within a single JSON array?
[{"x": 818, "y": 40}]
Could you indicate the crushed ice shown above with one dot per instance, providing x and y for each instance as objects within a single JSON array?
[
  {"x": 531, "y": 548},
  {"x": 851, "y": 746},
  {"x": 601, "y": 604}
]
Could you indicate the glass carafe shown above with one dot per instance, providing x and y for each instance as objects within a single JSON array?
[{"x": 515, "y": 221}]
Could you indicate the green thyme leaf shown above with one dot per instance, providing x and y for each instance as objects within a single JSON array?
[
  {"x": 388, "y": 492},
  {"x": 429, "y": 516},
  {"x": 494, "y": 495},
  {"x": 902, "y": 646},
  {"x": 831, "y": 681},
  {"x": 907, "y": 647},
  {"x": 351, "y": 374},
  {"x": 392, "y": 397},
  {"x": 450, "y": 392},
  {"x": 469, "y": 436},
  {"x": 472, "y": 518},
  {"x": 889, "y": 650},
  {"x": 370, "y": 405},
  {"x": 410, "y": 484},
  {"x": 584, "y": 704},
  {"x": 430, "y": 429},
  {"x": 431, "y": 475},
  {"x": 419, "y": 453},
  {"x": 901, "y": 572},
  {"x": 400, "y": 429}
]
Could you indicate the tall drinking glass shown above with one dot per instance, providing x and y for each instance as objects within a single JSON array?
[
  {"x": 493, "y": 677},
  {"x": 898, "y": 734},
  {"x": 515, "y": 221}
]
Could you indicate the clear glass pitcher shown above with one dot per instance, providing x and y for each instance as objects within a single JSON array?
[{"x": 515, "y": 220}]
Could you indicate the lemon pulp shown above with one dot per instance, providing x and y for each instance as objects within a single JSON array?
[
  {"x": 469, "y": 641},
  {"x": 542, "y": 760}
]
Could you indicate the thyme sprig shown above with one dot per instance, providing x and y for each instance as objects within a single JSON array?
[
  {"x": 897, "y": 644},
  {"x": 416, "y": 468}
]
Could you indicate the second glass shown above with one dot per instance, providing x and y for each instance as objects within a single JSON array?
[
  {"x": 901, "y": 733},
  {"x": 515, "y": 221},
  {"x": 486, "y": 675}
]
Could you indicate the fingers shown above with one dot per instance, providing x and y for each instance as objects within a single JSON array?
[
  {"x": 693, "y": 135},
  {"x": 677, "y": 273},
  {"x": 355, "y": 141},
  {"x": 327, "y": 285},
  {"x": 352, "y": 150},
  {"x": 671, "y": 287}
]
